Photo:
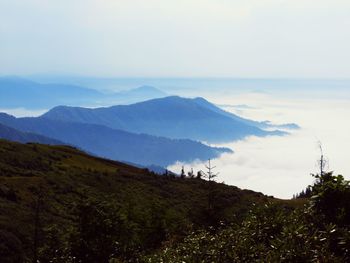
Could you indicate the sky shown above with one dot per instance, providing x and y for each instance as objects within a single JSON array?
[{"x": 176, "y": 38}]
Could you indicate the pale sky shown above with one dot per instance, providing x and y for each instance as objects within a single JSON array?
[{"x": 176, "y": 38}]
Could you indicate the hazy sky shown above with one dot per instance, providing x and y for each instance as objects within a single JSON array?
[{"x": 233, "y": 38}]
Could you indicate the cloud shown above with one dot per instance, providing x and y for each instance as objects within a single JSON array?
[
  {"x": 22, "y": 112},
  {"x": 281, "y": 166}
]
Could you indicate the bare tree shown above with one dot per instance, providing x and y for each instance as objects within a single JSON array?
[
  {"x": 209, "y": 174},
  {"x": 322, "y": 163}
]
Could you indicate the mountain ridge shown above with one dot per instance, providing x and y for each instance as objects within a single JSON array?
[
  {"x": 12, "y": 134},
  {"x": 18, "y": 92},
  {"x": 172, "y": 117},
  {"x": 116, "y": 144}
]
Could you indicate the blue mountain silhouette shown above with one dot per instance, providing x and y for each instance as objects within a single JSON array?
[
  {"x": 172, "y": 117},
  {"x": 116, "y": 144}
]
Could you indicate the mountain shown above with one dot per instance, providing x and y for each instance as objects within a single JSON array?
[
  {"x": 63, "y": 187},
  {"x": 172, "y": 117},
  {"x": 11, "y": 134},
  {"x": 18, "y": 92},
  {"x": 116, "y": 144},
  {"x": 138, "y": 94},
  {"x": 23, "y": 93}
]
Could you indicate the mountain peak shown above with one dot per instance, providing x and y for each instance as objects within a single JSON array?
[{"x": 173, "y": 117}]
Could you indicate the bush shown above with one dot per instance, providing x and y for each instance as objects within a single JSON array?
[{"x": 318, "y": 232}]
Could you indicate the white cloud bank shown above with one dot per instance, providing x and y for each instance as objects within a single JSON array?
[
  {"x": 22, "y": 112},
  {"x": 281, "y": 166}
]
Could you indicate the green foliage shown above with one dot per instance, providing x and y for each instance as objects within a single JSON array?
[
  {"x": 331, "y": 196},
  {"x": 269, "y": 233},
  {"x": 102, "y": 231},
  {"x": 95, "y": 209},
  {"x": 318, "y": 232}
]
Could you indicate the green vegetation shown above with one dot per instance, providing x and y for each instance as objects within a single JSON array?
[
  {"x": 58, "y": 204},
  {"x": 317, "y": 232},
  {"x": 92, "y": 209}
]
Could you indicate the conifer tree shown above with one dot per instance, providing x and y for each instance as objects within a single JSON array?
[{"x": 183, "y": 175}]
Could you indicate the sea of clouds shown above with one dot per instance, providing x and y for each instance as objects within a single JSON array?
[
  {"x": 278, "y": 166},
  {"x": 281, "y": 166}
]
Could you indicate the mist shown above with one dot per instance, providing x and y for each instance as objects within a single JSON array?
[
  {"x": 281, "y": 166},
  {"x": 23, "y": 112},
  {"x": 278, "y": 166}
]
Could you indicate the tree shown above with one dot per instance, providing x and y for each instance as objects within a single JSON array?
[
  {"x": 211, "y": 194},
  {"x": 331, "y": 194},
  {"x": 166, "y": 173},
  {"x": 100, "y": 230},
  {"x": 210, "y": 175},
  {"x": 183, "y": 175},
  {"x": 37, "y": 225},
  {"x": 322, "y": 162},
  {"x": 191, "y": 173}
]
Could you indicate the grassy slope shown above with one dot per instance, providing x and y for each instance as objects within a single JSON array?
[{"x": 66, "y": 175}]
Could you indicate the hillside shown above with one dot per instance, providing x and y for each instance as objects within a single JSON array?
[
  {"x": 116, "y": 144},
  {"x": 60, "y": 186},
  {"x": 172, "y": 117},
  {"x": 11, "y": 134}
]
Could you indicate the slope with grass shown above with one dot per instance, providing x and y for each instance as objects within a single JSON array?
[{"x": 64, "y": 181}]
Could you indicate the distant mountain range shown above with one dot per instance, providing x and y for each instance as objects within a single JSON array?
[
  {"x": 18, "y": 92},
  {"x": 155, "y": 132},
  {"x": 172, "y": 117},
  {"x": 141, "y": 93},
  {"x": 12, "y": 134},
  {"x": 115, "y": 144}
]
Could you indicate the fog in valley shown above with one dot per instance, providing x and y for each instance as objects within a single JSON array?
[
  {"x": 278, "y": 166},
  {"x": 281, "y": 166}
]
